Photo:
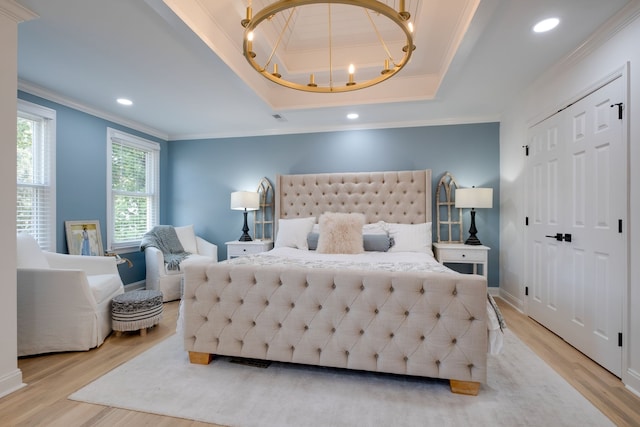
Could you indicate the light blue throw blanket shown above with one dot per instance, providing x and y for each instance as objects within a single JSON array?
[{"x": 164, "y": 238}]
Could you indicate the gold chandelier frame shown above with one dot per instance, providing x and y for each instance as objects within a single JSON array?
[{"x": 400, "y": 18}]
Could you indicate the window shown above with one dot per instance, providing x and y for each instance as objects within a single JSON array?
[
  {"x": 133, "y": 188},
  {"x": 36, "y": 171}
]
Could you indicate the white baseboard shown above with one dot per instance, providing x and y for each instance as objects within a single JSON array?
[
  {"x": 631, "y": 380},
  {"x": 11, "y": 382},
  {"x": 142, "y": 284},
  {"x": 517, "y": 303}
]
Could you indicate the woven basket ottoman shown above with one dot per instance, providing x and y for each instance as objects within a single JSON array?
[{"x": 136, "y": 311}]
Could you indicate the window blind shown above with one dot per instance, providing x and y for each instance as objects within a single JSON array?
[
  {"x": 35, "y": 201},
  {"x": 134, "y": 189}
]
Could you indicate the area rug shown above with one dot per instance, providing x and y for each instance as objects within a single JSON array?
[{"x": 521, "y": 390}]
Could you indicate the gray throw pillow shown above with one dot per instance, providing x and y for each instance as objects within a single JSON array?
[{"x": 372, "y": 242}]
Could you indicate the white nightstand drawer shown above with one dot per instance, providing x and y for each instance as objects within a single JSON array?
[
  {"x": 463, "y": 256},
  {"x": 238, "y": 248},
  {"x": 244, "y": 250}
]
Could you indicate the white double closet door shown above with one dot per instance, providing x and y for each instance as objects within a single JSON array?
[{"x": 576, "y": 238}]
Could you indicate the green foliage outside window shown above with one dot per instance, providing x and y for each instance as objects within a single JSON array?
[
  {"x": 132, "y": 192},
  {"x": 30, "y": 177}
]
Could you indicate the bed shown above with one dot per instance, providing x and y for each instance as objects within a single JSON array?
[{"x": 393, "y": 310}]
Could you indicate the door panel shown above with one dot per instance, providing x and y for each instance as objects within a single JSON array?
[
  {"x": 579, "y": 291},
  {"x": 578, "y": 186},
  {"x": 544, "y": 143}
]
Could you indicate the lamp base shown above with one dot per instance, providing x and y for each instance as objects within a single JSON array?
[
  {"x": 245, "y": 238},
  {"x": 245, "y": 230},
  {"x": 473, "y": 240}
]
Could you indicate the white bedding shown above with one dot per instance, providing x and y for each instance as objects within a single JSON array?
[
  {"x": 372, "y": 261},
  {"x": 382, "y": 261}
]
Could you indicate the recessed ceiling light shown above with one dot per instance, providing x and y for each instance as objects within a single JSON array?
[
  {"x": 352, "y": 116},
  {"x": 546, "y": 25},
  {"x": 124, "y": 101}
]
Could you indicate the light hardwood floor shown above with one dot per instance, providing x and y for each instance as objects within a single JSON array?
[
  {"x": 603, "y": 389},
  {"x": 51, "y": 378}
]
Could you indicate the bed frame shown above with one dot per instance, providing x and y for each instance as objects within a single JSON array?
[{"x": 421, "y": 324}]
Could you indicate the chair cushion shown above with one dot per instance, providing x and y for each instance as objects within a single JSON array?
[
  {"x": 103, "y": 285},
  {"x": 187, "y": 237},
  {"x": 29, "y": 254}
]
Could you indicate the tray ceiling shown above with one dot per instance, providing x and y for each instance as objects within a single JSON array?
[{"x": 439, "y": 28}]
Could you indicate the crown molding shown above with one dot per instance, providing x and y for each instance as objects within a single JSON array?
[
  {"x": 324, "y": 129},
  {"x": 47, "y": 94},
  {"x": 618, "y": 22},
  {"x": 15, "y": 11}
]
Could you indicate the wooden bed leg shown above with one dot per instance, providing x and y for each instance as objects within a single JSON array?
[
  {"x": 470, "y": 388},
  {"x": 200, "y": 358}
]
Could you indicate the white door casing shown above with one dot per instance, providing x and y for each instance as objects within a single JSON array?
[{"x": 577, "y": 171}]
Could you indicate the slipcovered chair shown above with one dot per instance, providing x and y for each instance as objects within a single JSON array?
[
  {"x": 64, "y": 301},
  {"x": 169, "y": 281}
]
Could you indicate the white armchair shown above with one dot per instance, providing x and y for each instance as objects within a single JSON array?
[
  {"x": 64, "y": 301},
  {"x": 167, "y": 281}
]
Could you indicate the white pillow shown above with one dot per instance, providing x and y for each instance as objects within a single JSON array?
[
  {"x": 410, "y": 237},
  {"x": 187, "y": 237},
  {"x": 375, "y": 228},
  {"x": 292, "y": 233}
]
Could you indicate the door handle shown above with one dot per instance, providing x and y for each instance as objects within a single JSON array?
[{"x": 560, "y": 237}]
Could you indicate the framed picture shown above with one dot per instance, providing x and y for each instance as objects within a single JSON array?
[{"x": 83, "y": 238}]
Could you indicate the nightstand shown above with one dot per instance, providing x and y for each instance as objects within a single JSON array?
[
  {"x": 237, "y": 248},
  {"x": 463, "y": 254}
]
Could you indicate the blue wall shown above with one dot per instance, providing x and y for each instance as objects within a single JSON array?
[
  {"x": 81, "y": 173},
  {"x": 198, "y": 176},
  {"x": 203, "y": 173}
]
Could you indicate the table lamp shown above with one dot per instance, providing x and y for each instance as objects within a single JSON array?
[
  {"x": 245, "y": 201},
  {"x": 474, "y": 198}
]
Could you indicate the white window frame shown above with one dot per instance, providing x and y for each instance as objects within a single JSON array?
[
  {"x": 152, "y": 181},
  {"x": 45, "y": 232}
]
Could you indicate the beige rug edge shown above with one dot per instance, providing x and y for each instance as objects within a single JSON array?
[{"x": 521, "y": 390}]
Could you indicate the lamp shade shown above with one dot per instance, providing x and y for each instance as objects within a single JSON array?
[
  {"x": 479, "y": 198},
  {"x": 241, "y": 200}
]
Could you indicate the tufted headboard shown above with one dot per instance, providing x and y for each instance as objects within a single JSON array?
[{"x": 398, "y": 197}]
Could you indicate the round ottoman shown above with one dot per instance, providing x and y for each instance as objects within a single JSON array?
[{"x": 136, "y": 310}]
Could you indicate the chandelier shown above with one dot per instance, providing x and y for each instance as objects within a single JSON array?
[{"x": 275, "y": 23}]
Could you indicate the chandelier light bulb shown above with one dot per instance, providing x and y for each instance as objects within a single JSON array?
[
  {"x": 312, "y": 81},
  {"x": 386, "y": 67},
  {"x": 352, "y": 70},
  {"x": 250, "y": 51}
]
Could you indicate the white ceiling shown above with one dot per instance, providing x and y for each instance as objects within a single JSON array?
[
  {"x": 303, "y": 47},
  {"x": 181, "y": 63}
]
